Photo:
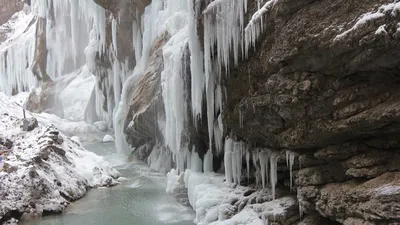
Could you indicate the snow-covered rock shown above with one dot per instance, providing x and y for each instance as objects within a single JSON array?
[
  {"x": 108, "y": 138},
  {"x": 43, "y": 170},
  {"x": 76, "y": 139},
  {"x": 219, "y": 203},
  {"x": 101, "y": 125}
]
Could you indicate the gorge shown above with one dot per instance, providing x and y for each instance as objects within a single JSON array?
[{"x": 259, "y": 112}]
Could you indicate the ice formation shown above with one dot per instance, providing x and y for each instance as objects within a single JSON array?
[
  {"x": 289, "y": 163},
  {"x": 211, "y": 199},
  {"x": 255, "y": 27},
  {"x": 17, "y": 52}
]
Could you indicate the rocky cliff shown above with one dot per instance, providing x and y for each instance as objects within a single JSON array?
[
  {"x": 295, "y": 103},
  {"x": 323, "y": 82}
]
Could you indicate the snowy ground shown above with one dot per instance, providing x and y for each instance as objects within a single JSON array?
[{"x": 42, "y": 170}]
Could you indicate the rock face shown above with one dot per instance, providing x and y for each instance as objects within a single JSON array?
[
  {"x": 313, "y": 84},
  {"x": 146, "y": 104},
  {"x": 323, "y": 82},
  {"x": 8, "y": 8}
]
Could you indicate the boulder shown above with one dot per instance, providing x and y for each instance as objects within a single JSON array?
[
  {"x": 28, "y": 124},
  {"x": 101, "y": 125},
  {"x": 374, "y": 201},
  {"x": 108, "y": 138}
]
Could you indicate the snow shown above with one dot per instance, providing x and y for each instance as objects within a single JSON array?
[
  {"x": 108, "y": 138},
  {"x": 381, "y": 30},
  {"x": 45, "y": 158},
  {"x": 101, "y": 125},
  {"x": 255, "y": 27},
  {"x": 392, "y": 9},
  {"x": 21, "y": 98}
]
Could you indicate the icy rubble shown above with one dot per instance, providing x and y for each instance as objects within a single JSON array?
[
  {"x": 220, "y": 199},
  {"x": 220, "y": 203},
  {"x": 43, "y": 170}
]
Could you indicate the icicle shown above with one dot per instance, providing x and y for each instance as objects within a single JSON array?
[
  {"x": 263, "y": 158},
  {"x": 241, "y": 119},
  {"x": 228, "y": 158},
  {"x": 196, "y": 164},
  {"x": 218, "y": 139},
  {"x": 114, "y": 35},
  {"x": 255, "y": 27},
  {"x": 208, "y": 162},
  {"x": 287, "y": 158},
  {"x": 248, "y": 164},
  {"x": 221, "y": 29},
  {"x": 255, "y": 157},
  {"x": 189, "y": 159},
  {"x": 234, "y": 163},
  {"x": 196, "y": 63},
  {"x": 274, "y": 172},
  {"x": 291, "y": 162},
  {"x": 181, "y": 159},
  {"x": 16, "y": 54}
]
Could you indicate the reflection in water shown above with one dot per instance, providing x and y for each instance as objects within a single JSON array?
[{"x": 141, "y": 200}]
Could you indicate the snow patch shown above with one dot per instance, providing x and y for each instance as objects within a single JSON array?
[
  {"x": 101, "y": 125},
  {"x": 108, "y": 138}
]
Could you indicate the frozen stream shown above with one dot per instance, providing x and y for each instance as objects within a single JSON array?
[{"x": 141, "y": 200}]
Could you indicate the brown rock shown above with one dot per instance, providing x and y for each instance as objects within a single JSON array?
[
  {"x": 376, "y": 200},
  {"x": 8, "y": 8}
]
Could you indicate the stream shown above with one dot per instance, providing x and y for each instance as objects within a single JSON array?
[{"x": 141, "y": 200}]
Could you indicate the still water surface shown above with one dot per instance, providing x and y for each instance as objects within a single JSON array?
[{"x": 139, "y": 201}]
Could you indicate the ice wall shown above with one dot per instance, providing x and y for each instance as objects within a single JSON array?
[
  {"x": 226, "y": 40},
  {"x": 81, "y": 34},
  {"x": 74, "y": 37}
]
